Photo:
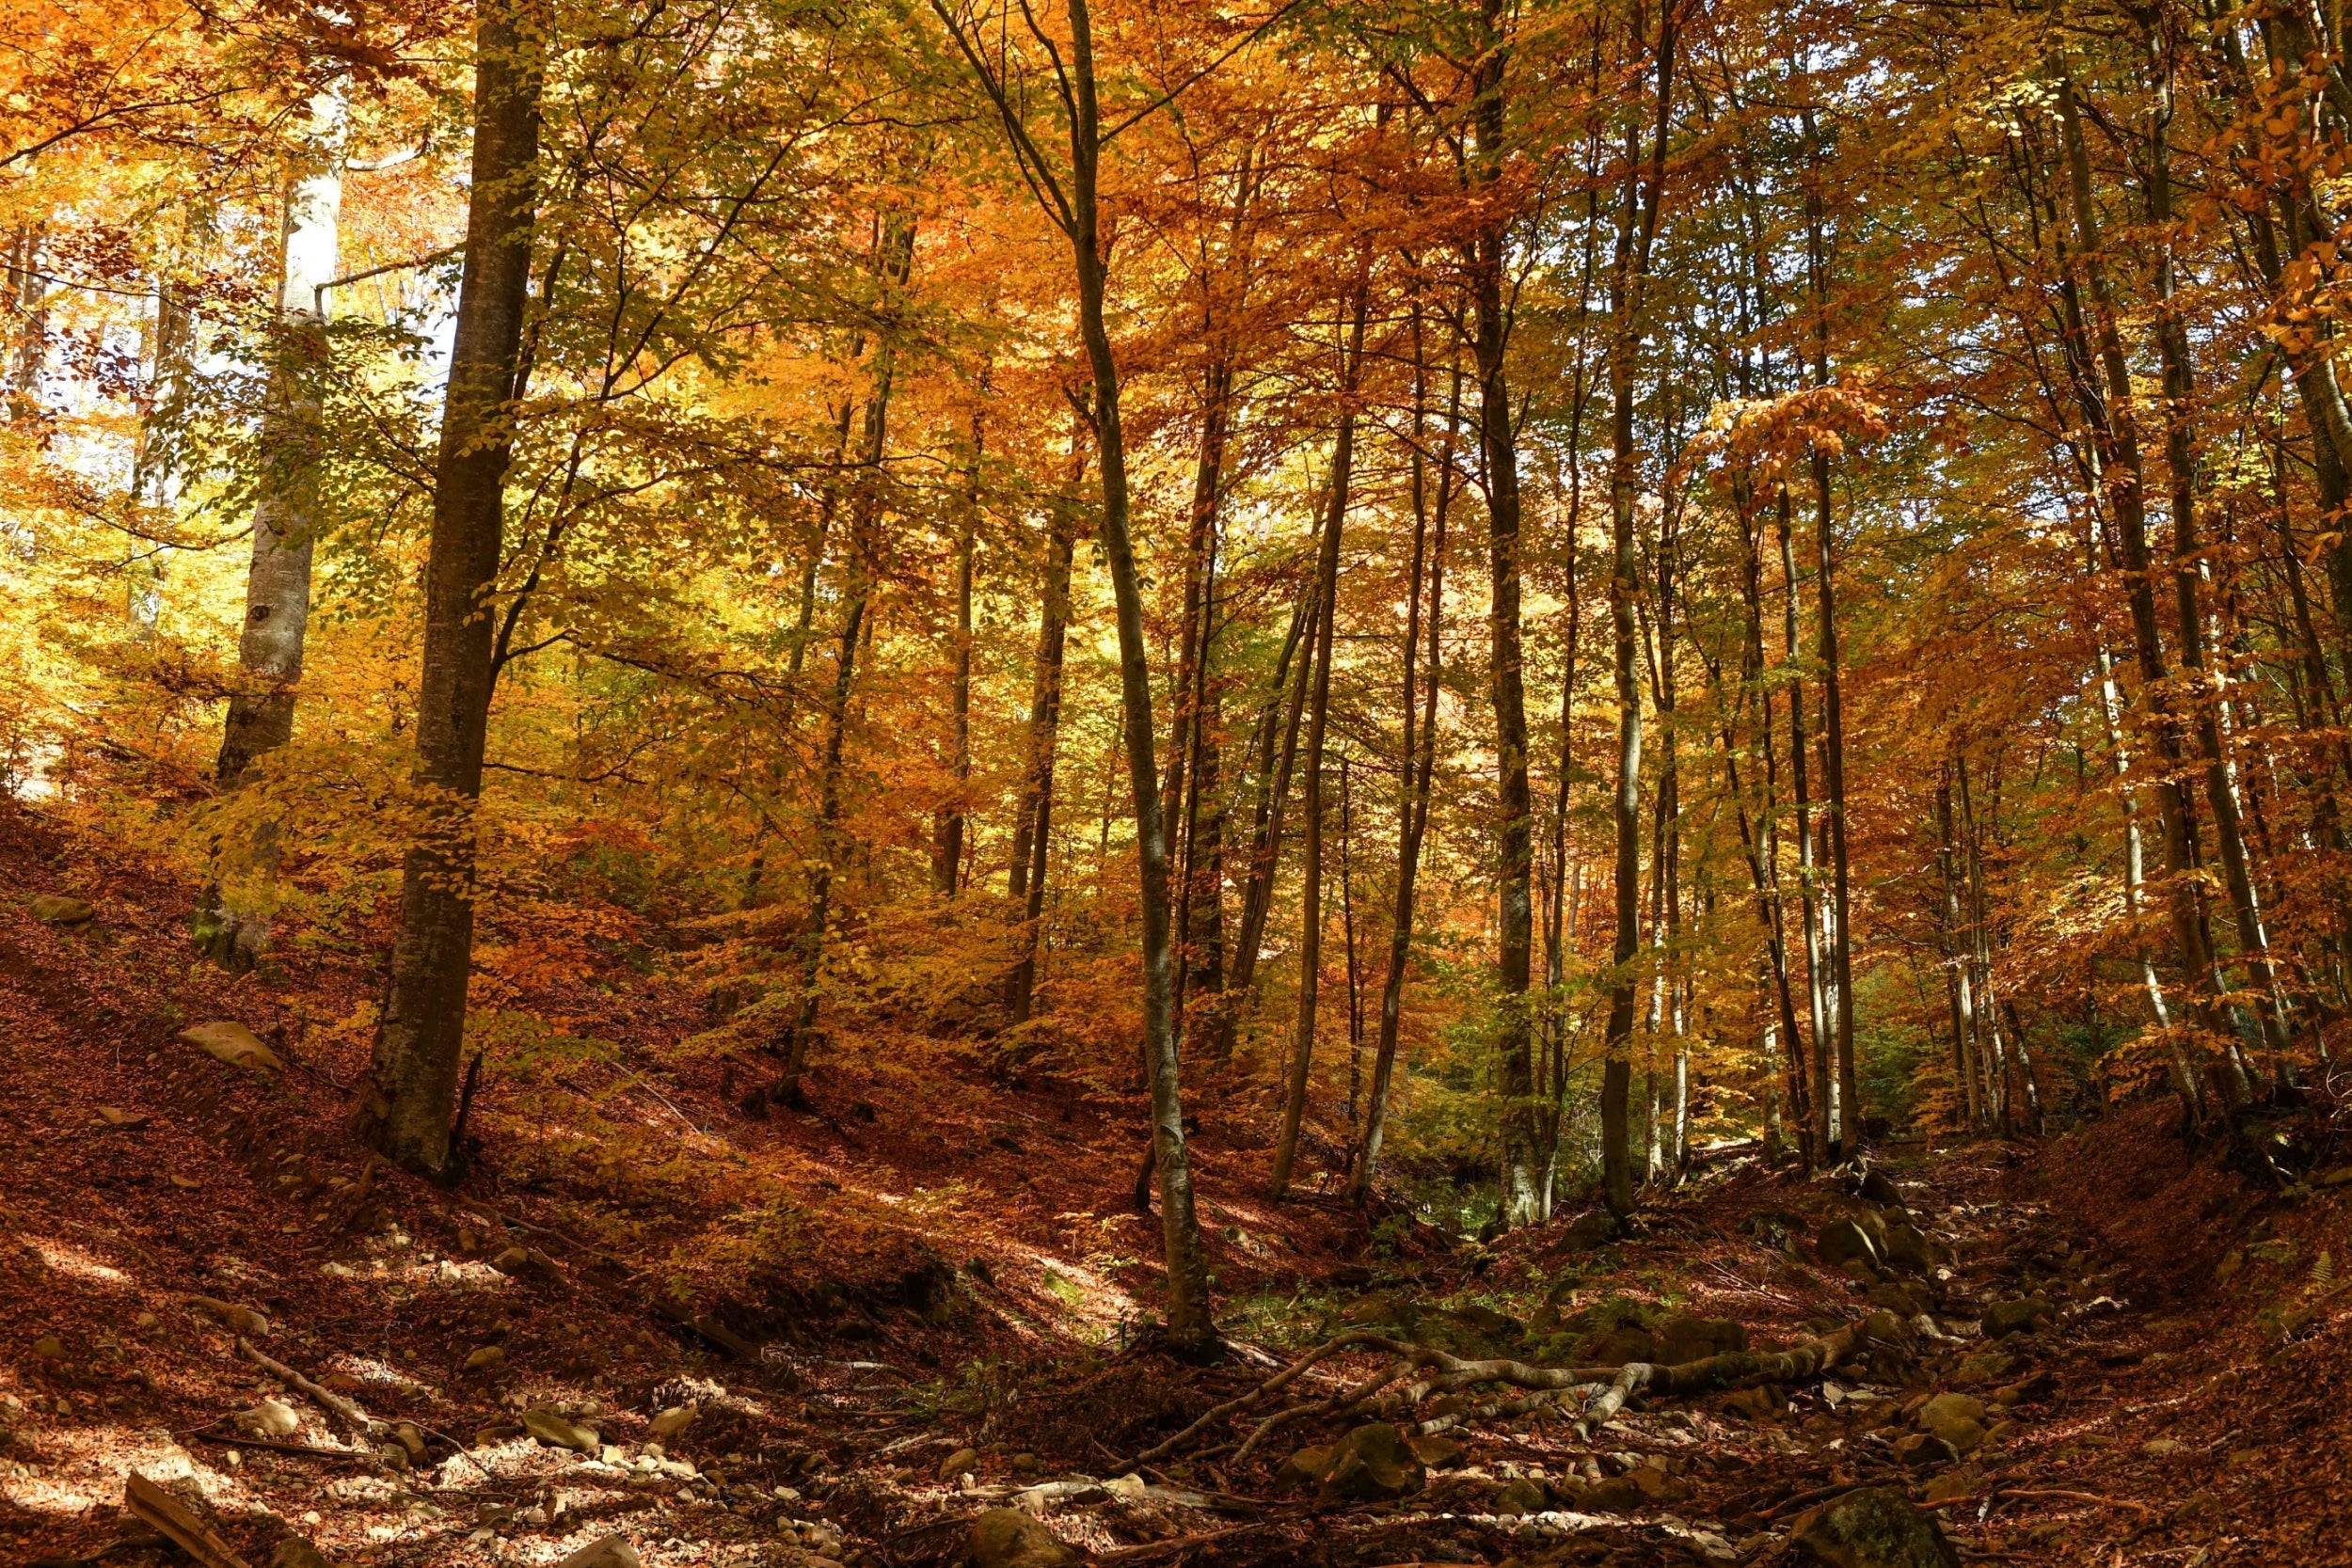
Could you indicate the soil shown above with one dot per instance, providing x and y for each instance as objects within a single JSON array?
[{"x": 920, "y": 1263}]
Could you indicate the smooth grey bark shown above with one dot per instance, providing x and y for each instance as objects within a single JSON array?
[
  {"x": 409, "y": 1092},
  {"x": 232, "y": 920}
]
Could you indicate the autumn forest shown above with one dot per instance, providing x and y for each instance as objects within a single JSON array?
[{"x": 961, "y": 741}]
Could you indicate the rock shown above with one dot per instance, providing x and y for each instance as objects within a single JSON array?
[
  {"x": 610, "y": 1551},
  {"x": 1776, "y": 1228},
  {"x": 1304, "y": 1468},
  {"x": 1131, "y": 1486},
  {"x": 2005, "y": 1318},
  {"x": 1874, "y": 1527},
  {"x": 1371, "y": 1464},
  {"x": 1909, "y": 1249},
  {"x": 1687, "y": 1339},
  {"x": 393, "y": 1457},
  {"x": 2025, "y": 1390},
  {"x": 1440, "y": 1452},
  {"x": 271, "y": 1419},
  {"x": 114, "y": 1115},
  {"x": 1520, "y": 1497},
  {"x": 1015, "y": 1538},
  {"x": 60, "y": 908},
  {"x": 1950, "y": 1485},
  {"x": 1641, "y": 1486},
  {"x": 956, "y": 1463},
  {"x": 1924, "y": 1450},
  {"x": 491, "y": 1436},
  {"x": 1843, "y": 1242},
  {"x": 1593, "y": 1228},
  {"x": 1963, "y": 1434},
  {"x": 2339, "y": 1177},
  {"x": 2161, "y": 1448},
  {"x": 512, "y": 1260},
  {"x": 232, "y": 1043},
  {"x": 1986, "y": 1366},
  {"x": 486, "y": 1358},
  {"x": 552, "y": 1427},
  {"x": 1753, "y": 1403},
  {"x": 673, "y": 1421},
  {"x": 294, "y": 1552},
  {"x": 1949, "y": 1407},
  {"x": 237, "y": 1320},
  {"x": 410, "y": 1437},
  {"x": 2001, "y": 1432},
  {"x": 49, "y": 1348},
  {"x": 1878, "y": 1187}
]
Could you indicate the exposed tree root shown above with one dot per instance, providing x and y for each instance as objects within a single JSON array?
[{"x": 1605, "y": 1391}]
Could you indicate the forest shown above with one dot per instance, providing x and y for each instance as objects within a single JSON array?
[{"x": 872, "y": 783}]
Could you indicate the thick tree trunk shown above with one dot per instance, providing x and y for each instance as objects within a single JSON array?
[{"x": 409, "y": 1095}]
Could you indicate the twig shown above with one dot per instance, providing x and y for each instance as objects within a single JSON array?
[{"x": 2059, "y": 1494}]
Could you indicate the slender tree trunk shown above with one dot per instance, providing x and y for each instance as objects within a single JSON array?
[
  {"x": 948, "y": 853},
  {"x": 1190, "y": 1326},
  {"x": 1418, "y": 759},
  {"x": 1499, "y": 444},
  {"x": 1033, "y": 828},
  {"x": 407, "y": 1098},
  {"x": 1310, "y": 876},
  {"x": 232, "y": 923}
]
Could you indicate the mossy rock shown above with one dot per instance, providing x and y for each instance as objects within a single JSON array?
[
  {"x": 2005, "y": 1318},
  {"x": 1371, "y": 1464},
  {"x": 1874, "y": 1527},
  {"x": 1690, "y": 1339},
  {"x": 1015, "y": 1538}
]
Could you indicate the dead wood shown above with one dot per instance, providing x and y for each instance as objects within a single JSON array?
[
  {"x": 152, "y": 1505},
  {"x": 350, "y": 1413}
]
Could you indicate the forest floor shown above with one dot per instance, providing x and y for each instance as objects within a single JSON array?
[{"x": 955, "y": 1323}]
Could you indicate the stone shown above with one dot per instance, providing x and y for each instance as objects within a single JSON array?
[
  {"x": 1949, "y": 1407},
  {"x": 1950, "y": 1485},
  {"x": 486, "y": 1358},
  {"x": 1878, "y": 1187},
  {"x": 2025, "y": 1390},
  {"x": 1520, "y": 1497},
  {"x": 410, "y": 1437},
  {"x": 1690, "y": 1339},
  {"x": 1592, "y": 1229},
  {"x": 296, "y": 1552},
  {"x": 1015, "y": 1538},
  {"x": 271, "y": 1419},
  {"x": 608, "y": 1551},
  {"x": 2005, "y": 1318},
  {"x": 1924, "y": 1450},
  {"x": 1909, "y": 1249},
  {"x": 492, "y": 1435},
  {"x": 237, "y": 1320},
  {"x": 1842, "y": 1242},
  {"x": 232, "y": 1043},
  {"x": 1963, "y": 1434},
  {"x": 49, "y": 1348},
  {"x": 2001, "y": 1432},
  {"x": 957, "y": 1463},
  {"x": 1875, "y": 1526},
  {"x": 1985, "y": 1366},
  {"x": 2161, "y": 1448},
  {"x": 1438, "y": 1453},
  {"x": 1304, "y": 1468},
  {"x": 393, "y": 1457},
  {"x": 557, "y": 1431},
  {"x": 114, "y": 1115},
  {"x": 60, "y": 908},
  {"x": 673, "y": 1421},
  {"x": 1754, "y": 1403},
  {"x": 1371, "y": 1464},
  {"x": 1641, "y": 1486}
]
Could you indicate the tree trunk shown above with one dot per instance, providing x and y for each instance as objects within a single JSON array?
[
  {"x": 406, "y": 1103},
  {"x": 948, "y": 853},
  {"x": 1319, "y": 709},
  {"x": 1033, "y": 828},
  {"x": 232, "y": 923},
  {"x": 1418, "y": 760},
  {"x": 1189, "y": 1324}
]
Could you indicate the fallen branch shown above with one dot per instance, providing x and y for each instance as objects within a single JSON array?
[
  {"x": 353, "y": 1416},
  {"x": 2059, "y": 1494},
  {"x": 156, "y": 1508},
  {"x": 309, "y": 1450},
  {"x": 1737, "y": 1369}
]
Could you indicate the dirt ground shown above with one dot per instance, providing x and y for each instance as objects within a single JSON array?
[{"x": 923, "y": 1279}]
